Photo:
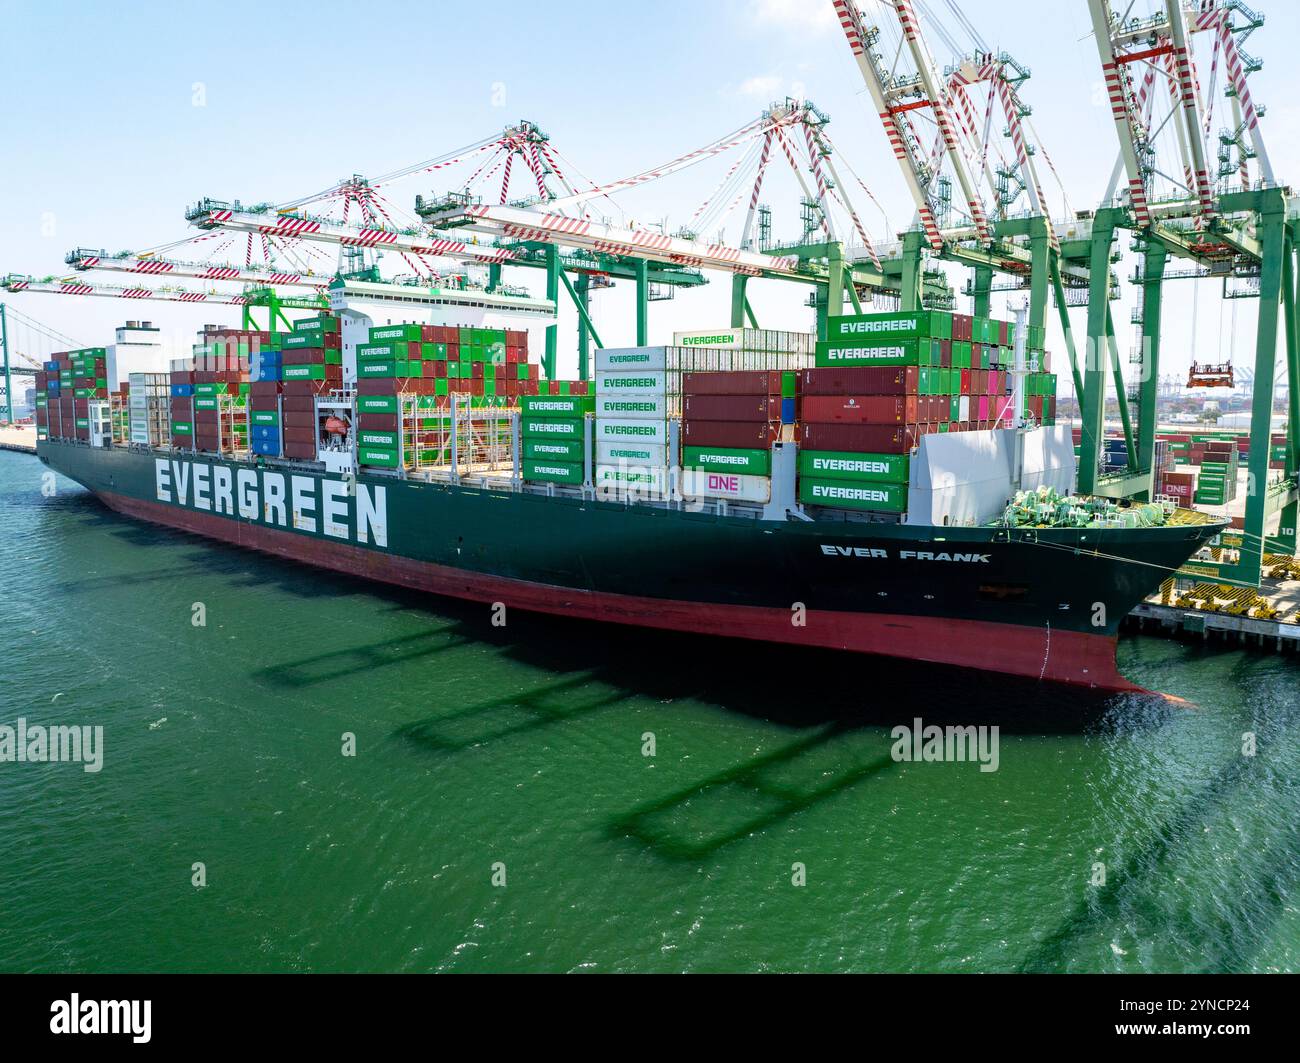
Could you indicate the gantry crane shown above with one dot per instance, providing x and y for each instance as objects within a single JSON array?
[
  {"x": 1236, "y": 223},
  {"x": 1016, "y": 238}
]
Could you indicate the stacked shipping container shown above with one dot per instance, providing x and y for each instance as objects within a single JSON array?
[
  {"x": 553, "y": 431},
  {"x": 729, "y": 422},
  {"x": 65, "y": 387}
]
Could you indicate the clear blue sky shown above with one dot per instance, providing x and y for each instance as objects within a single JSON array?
[{"x": 106, "y": 146}]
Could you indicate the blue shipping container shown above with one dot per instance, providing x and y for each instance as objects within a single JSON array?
[
  {"x": 268, "y": 448},
  {"x": 182, "y": 391}
]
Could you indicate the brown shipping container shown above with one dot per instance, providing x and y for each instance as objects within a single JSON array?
[
  {"x": 860, "y": 438},
  {"x": 378, "y": 422},
  {"x": 873, "y": 380},
  {"x": 731, "y": 407},
  {"x": 299, "y": 435},
  {"x": 300, "y": 451},
  {"x": 739, "y": 382},
  {"x": 862, "y": 409},
  {"x": 738, "y": 434}
]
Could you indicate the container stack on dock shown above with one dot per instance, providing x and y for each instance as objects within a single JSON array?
[
  {"x": 553, "y": 431},
  {"x": 1217, "y": 483},
  {"x": 729, "y": 422}
]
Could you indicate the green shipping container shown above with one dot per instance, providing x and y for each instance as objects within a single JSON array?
[
  {"x": 385, "y": 440},
  {"x": 182, "y": 428},
  {"x": 378, "y": 457},
  {"x": 872, "y": 468},
  {"x": 894, "y": 326},
  {"x": 841, "y": 494},
  {"x": 303, "y": 372},
  {"x": 565, "y": 450},
  {"x": 553, "y": 472},
  {"x": 873, "y": 351},
  {"x": 377, "y": 404},
  {"x": 723, "y": 459},
  {"x": 557, "y": 405},
  {"x": 265, "y": 417},
  {"x": 539, "y": 428},
  {"x": 388, "y": 333}
]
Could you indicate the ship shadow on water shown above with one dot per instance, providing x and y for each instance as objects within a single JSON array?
[{"x": 821, "y": 697}]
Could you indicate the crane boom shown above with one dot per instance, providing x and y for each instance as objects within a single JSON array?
[
  {"x": 906, "y": 150},
  {"x": 522, "y": 224},
  {"x": 210, "y": 214},
  {"x": 71, "y": 286},
  {"x": 938, "y": 101},
  {"x": 84, "y": 260}
]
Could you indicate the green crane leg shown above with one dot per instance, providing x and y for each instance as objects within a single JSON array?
[
  {"x": 821, "y": 296},
  {"x": 1093, "y": 401},
  {"x": 586, "y": 327},
  {"x": 1040, "y": 272},
  {"x": 1152, "y": 305},
  {"x": 582, "y": 300},
  {"x": 553, "y": 274},
  {"x": 9, "y": 379},
  {"x": 494, "y": 277},
  {"x": 913, "y": 270},
  {"x": 1285, "y": 543},
  {"x": 1272, "y": 239},
  {"x": 642, "y": 302},
  {"x": 749, "y": 312},
  {"x": 739, "y": 299},
  {"x": 835, "y": 280},
  {"x": 852, "y": 289},
  {"x": 1121, "y": 392},
  {"x": 982, "y": 290},
  {"x": 1071, "y": 352}
]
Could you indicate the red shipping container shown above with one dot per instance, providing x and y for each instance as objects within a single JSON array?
[
  {"x": 300, "y": 451},
  {"x": 732, "y": 407},
  {"x": 874, "y": 380},
  {"x": 738, "y": 434},
  {"x": 299, "y": 435},
  {"x": 862, "y": 409},
  {"x": 378, "y": 422},
  {"x": 741, "y": 382},
  {"x": 860, "y": 438}
]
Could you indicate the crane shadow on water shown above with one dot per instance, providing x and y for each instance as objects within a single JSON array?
[{"x": 822, "y": 699}]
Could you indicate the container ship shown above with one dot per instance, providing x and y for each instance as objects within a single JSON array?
[{"x": 898, "y": 488}]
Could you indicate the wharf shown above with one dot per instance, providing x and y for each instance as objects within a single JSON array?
[{"x": 21, "y": 438}]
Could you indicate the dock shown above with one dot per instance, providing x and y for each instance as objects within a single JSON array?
[{"x": 20, "y": 438}]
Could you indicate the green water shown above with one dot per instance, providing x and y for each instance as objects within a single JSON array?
[{"x": 523, "y": 746}]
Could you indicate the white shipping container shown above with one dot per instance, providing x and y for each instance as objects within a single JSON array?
[
  {"x": 733, "y": 486},
  {"x": 639, "y": 405},
  {"x": 963, "y": 408},
  {"x": 630, "y": 359},
  {"x": 632, "y": 454},
  {"x": 626, "y": 431},
  {"x": 621, "y": 383},
  {"x": 632, "y": 479}
]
